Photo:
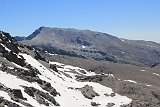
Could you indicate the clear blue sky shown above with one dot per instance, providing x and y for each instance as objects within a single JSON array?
[{"x": 132, "y": 19}]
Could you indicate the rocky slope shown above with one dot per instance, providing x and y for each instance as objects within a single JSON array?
[
  {"x": 28, "y": 80},
  {"x": 93, "y": 45},
  {"x": 136, "y": 82}
]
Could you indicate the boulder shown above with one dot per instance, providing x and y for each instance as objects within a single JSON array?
[
  {"x": 53, "y": 67},
  {"x": 94, "y": 104}
]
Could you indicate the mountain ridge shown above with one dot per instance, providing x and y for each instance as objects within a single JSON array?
[{"x": 95, "y": 45}]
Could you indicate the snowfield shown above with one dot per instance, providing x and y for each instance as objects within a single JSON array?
[
  {"x": 65, "y": 83},
  {"x": 13, "y": 82},
  {"x": 73, "y": 97}
]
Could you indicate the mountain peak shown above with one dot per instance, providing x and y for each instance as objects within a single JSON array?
[{"x": 35, "y": 33}]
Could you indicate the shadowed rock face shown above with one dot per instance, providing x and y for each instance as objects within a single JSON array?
[
  {"x": 8, "y": 41},
  {"x": 13, "y": 58},
  {"x": 93, "y": 45},
  {"x": 9, "y": 49}
]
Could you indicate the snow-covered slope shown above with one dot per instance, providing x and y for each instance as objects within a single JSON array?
[
  {"x": 28, "y": 80},
  {"x": 67, "y": 86}
]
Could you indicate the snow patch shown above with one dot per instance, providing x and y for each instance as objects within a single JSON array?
[
  {"x": 148, "y": 85},
  {"x": 57, "y": 63},
  {"x": 143, "y": 70},
  {"x": 51, "y": 54},
  {"x": 156, "y": 74},
  {"x": 83, "y": 47},
  {"x": 10, "y": 67},
  {"x": 131, "y": 81}
]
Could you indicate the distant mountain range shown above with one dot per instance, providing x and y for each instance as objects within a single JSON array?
[{"x": 93, "y": 45}]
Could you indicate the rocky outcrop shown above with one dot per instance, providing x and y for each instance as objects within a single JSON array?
[
  {"x": 53, "y": 67},
  {"x": 94, "y": 104},
  {"x": 38, "y": 56},
  {"x": 4, "y": 102},
  {"x": 88, "y": 92},
  {"x": 2, "y": 50},
  {"x": 47, "y": 86},
  {"x": 9, "y": 49},
  {"x": 9, "y": 42},
  {"x": 11, "y": 56},
  {"x": 40, "y": 96},
  {"x": 15, "y": 95},
  {"x": 110, "y": 105}
]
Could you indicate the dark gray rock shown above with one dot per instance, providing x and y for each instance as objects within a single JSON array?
[
  {"x": 40, "y": 96},
  {"x": 4, "y": 102},
  {"x": 53, "y": 67},
  {"x": 94, "y": 104},
  {"x": 47, "y": 86},
  {"x": 2, "y": 49},
  {"x": 16, "y": 94},
  {"x": 88, "y": 92},
  {"x": 38, "y": 56},
  {"x": 14, "y": 58},
  {"x": 110, "y": 104},
  {"x": 113, "y": 94},
  {"x": 41, "y": 100},
  {"x": 9, "y": 42},
  {"x": 3, "y": 67},
  {"x": 107, "y": 95}
]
